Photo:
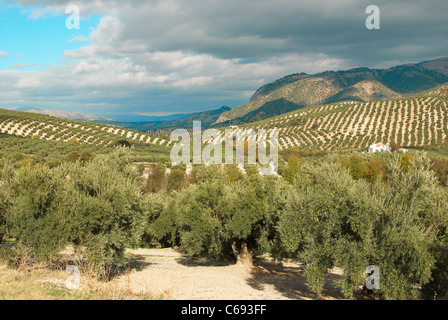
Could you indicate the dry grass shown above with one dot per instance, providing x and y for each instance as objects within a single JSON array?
[{"x": 45, "y": 284}]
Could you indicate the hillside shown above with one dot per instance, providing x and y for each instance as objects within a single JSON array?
[
  {"x": 207, "y": 118},
  {"x": 366, "y": 90},
  {"x": 305, "y": 92},
  {"x": 65, "y": 114},
  {"x": 40, "y": 126},
  {"x": 418, "y": 121},
  {"x": 360, "y": 84},
  {"x": 441, "y": 91}
]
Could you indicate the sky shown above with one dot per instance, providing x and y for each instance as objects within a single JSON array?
[{"x": 161, "y": 57}]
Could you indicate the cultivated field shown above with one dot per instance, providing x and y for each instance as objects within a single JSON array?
[
  {"x": 56, "y": 129},
  {"x": 351, "y": 125}
]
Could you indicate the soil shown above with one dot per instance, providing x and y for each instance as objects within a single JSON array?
[{"x": 167, "y": 274}]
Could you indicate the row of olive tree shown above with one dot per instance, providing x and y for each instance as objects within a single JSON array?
[
  {"x": 95, "y": 206},
  {"x": 326, "y": 218}
]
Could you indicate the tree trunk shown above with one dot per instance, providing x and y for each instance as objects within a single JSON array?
[{"x": 243, "y": 255}]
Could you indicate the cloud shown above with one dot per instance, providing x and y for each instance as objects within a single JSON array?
[
  {"x": 191, "y": 55},
  {"x": 35, "y": 14},
  {"x": 265, "y": 28},
  {"x": 78, "y": 39},
  {"x": 3, "y": 54},
  {"x": 20, "y": 56},
  {"x": 20, "y": 65}
]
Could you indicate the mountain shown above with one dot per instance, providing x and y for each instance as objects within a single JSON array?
[
  {"x": 64, "y": 114},
  {"x": 207, "y": 118},
  {"x": 113, "y": 120},
  {"x": 409, "y": 122},
  {"x": 359, "y": 84},
  {"x": 366, "y": 90},
  {"x": 268, "y": 110},
  {"x": 144, "y": 118}
]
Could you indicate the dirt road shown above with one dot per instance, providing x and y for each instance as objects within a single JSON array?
[{"x": 168, "y": 274}]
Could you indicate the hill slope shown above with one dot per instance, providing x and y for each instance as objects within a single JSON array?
[
  {"x": 366, "y": 90},
  {"x": 360, "y": 84},
  {"x": 441, "y": 91},
  {"x": 351, "y": 125},
  {"x": 40, "y": 126}
]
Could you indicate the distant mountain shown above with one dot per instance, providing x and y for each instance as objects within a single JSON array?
[
  {"x": 143, "y": 118},
  {"x": 64, "y": 114},
  {"x": 113, "y": 119},
  {"x": 207, "y": 118},
  {"x": 359, "y": 84}
]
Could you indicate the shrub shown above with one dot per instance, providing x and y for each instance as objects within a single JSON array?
[
  {"x": 176, "y": 180},
  {"x": 73, "y": 156},
  {"x": 97, "y": 208},
  {"x": 218, "y": 219},
  {"x": 440, "y": 168},
  {"x": 123, "y": 143},
  {"x": 330, "y": 219},
  {"x": 155, "y": 180}
]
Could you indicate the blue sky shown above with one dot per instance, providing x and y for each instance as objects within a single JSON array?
[
  {"x": 161, "y": 57},
  {"x": 38, "y": 42}
]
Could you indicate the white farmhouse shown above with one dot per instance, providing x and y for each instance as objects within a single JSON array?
[{"x": 379, "y": 147}]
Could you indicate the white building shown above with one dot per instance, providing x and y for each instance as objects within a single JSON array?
[{"x": 379, "y": 147}]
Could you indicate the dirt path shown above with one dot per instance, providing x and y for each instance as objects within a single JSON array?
[{"x": 169, "y": 275}]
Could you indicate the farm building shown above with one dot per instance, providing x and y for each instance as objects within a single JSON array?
[{"x": 379, "y": 147}]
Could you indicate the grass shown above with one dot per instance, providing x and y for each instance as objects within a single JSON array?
[{"x": 46, "y": 284}]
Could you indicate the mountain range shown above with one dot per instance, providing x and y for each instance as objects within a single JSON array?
[
  {"x": 358, "y": 84},
  {"x": 293, "y": 92}
]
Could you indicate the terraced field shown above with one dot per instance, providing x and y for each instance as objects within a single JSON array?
[
  {"x": 55, "y": 129},
  {"x": 417, "y": 121},
  {"x": 440, "y": 91}
]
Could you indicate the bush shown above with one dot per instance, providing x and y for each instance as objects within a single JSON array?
[
  {"x": 155, "y": 180},
  {"x": 327, "y": 220},
  {"x": 330, "y": 219},
  {"x": 219, "y": 219},
  {"x": 97, "y": 208},
  {"x": 176, "y": 180}
]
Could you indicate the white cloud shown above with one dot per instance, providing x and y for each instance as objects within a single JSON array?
[
  {"x": 203, "y": 54},
  {"x": 20, "y": 65},
  {"x": 78, "y": 39},
  {"x": 28, "y": 83},
  {"x": 3, "y": 54}
]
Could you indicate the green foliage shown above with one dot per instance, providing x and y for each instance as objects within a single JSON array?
[
  {"x": 155, "y": 180},
  {"x": 440, "y": 168},
  {"x": 217, "y": 217},
  {"x": 73, "y": 156},
  {"x": 289, "y": 172},
  {"x": 331, "y": 219},
  {"x": 233, "y": 173},
  {"x": 86, "y": 155},
  {"x": 176, "y": 180},
  {"x": 97, "y": 208},
  {"x": 327, "y": 220},
  {"x": 255, "y": 118}
]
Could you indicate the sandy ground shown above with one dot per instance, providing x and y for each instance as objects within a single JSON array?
[{"x": 168, "y": 274}]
